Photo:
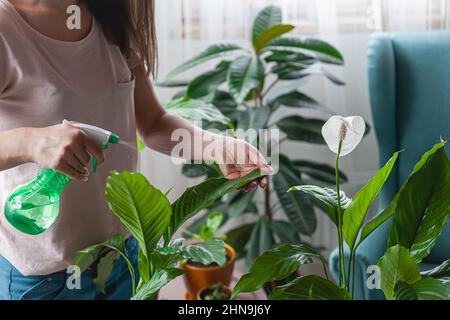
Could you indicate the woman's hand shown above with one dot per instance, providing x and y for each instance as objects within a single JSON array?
[
  {"x": 237, "y": 158},
  {"x": 65, "y": 149}
]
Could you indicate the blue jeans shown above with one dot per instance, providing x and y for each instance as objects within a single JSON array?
[{"x": 15, "y": 286}]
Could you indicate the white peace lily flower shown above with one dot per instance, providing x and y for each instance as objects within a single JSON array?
[{"x": 349, "y": 130}]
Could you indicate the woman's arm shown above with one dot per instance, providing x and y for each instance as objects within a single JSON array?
[{"x": 156, "y": 126}]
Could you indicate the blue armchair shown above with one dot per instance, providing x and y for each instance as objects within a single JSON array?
[{"x": 409, "y": 84}]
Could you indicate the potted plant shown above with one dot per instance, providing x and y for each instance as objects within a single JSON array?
[
  {"x": 148, "y": 215},
  {"x": 249, "y": 85},
  {"x": 419, "y": 212},
  {"x": 203, "y": 276},
  {"x": 215, "y": 292}
]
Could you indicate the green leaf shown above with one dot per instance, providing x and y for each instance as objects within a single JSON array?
[
  {"x": 141, "y": 208},
  {"x": 298, "y": 206},
  {"x": 225, "y": 103},
  {"x": 395, "y": 266},
  {"x": 214, "y": 51},
  {"x": 310, "y": 287},
  {"x": 202, "y": 196},
  {"x": 239, "y": 237},
  {"x": 424, "y": 289},
  {"x": 296, "y": 71},
  {"x": 326, "y": 199},
  {"x": 302, "y": 129},
  {"x": 104, "y": 269},
  {"x": 140, "y": 144},
  {"x": 239, "y": 203},
  {"x": 86, "y": 257},
  {"x": 254, "y": 118},
  {"x": 196, "y": 110},
  {"x": 173, "y": 83},
  {"x": 356, "y": 212},
  {"x": 289, "y": 56},
  {"x": 441, "y": 272},
  {"x": 322, "y": 51},
  {"x": 260, "y": 240},
  {"x": 296, "y": 99},
  {"x": 208, "y": 82},
  {"x": 270, "y": 34},
  {"x": 159, "y": 279},
  {"x": 212, "y": 225},
  {"x": 245, "y": 74},
  {"x": 268, "y": 17},
  {"x": 374, "y": 223},
  {"x": 283, "y": 261},
  {"x": 192, "y": 170},
  {"x": 206, "y": 253},
  {"x": 285, "y": 232},
  {"x": 319, "y": 171},
  {"x": 423, "y": 205}
]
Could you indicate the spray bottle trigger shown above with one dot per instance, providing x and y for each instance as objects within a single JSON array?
[{"x": 94, "y": 159}]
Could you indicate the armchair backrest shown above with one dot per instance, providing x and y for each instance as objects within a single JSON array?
[{"x": 409, "y": 84}]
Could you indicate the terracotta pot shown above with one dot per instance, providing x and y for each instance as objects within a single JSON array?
[
  {"x": 204, "y": 277},
  {"x": 201, "y": 293}
]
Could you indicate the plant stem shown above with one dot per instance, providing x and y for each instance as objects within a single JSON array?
[
  {"x": 269, "y": 88},
  {"x": 267, "y": 208},
  {"x": 342, "y": 280}
]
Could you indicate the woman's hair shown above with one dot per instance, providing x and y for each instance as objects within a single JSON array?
[{"x": 130, "y": 24}]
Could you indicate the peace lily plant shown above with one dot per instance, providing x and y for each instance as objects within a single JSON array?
[
  {"x": 148, "y": 215},
  {"x": 418, "y": 211}
]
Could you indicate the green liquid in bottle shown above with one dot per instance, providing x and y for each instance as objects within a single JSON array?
[{"x": 34, "y": 207}]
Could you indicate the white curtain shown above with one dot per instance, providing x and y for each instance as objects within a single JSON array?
[{"x": 185, "y": 27}]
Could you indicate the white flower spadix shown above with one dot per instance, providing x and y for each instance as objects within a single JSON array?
[{"x": 349, "y": 130}]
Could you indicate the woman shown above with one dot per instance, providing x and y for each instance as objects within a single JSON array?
[{"x": 97, "y": 74}]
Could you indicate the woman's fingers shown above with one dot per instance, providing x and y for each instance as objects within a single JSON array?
[
  {"x": 81, "y": 154},
  {"x": 73, "y": 161},
  {"x": 68, "y": 170},
  {"x": 94, "y": 149}
]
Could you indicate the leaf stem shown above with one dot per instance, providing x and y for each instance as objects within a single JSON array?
[
  {"x": 269, "y": 88},
  {"x": 342, "y": 280}
]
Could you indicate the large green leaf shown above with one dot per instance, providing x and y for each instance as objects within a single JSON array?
[
  {"x": 192, "y": 170},
  {"x": 441, "y": 272},
  {"x": 297, "y": 71},
  {"x": 326, "y": 199},
  {"x": 298, "y": 206},
  {"x": 270, "y": 34},
  {"x": 296, "y": 99},
  {"x": 310, "y": 287},
  {"x": 210, "y": 53},
  {"x": 239, "y": 237},
  {"x": 322, "y": 51},
  {"x": 285, "y": 232},
  {"x": 302, "y": 129},
  {"x": 319, "y": 171},
  {"x": 196, "y": 110},
  {"x": 424, "y": 289},
  {"x": 159, "y": 279},
  {"x": 208, "y": 82},
  {"x": 281, "y": 56},
  {"x": 141, "y": 208},
  {"x": 104, "y": 269},
  {"x": 395, "y": 266},
  {"x": 173, "y": 83},
  {"x": 239, "y": 203},
  {"x": 225, "y": 103},
  {"x": 254, "y": 118},
  {"x": 356, "y": 212},
  {"x": 86, "y": 257},
  {"x": 208, "y": 252},
  {"x": 245, "y": 74},
  {"x": 201, "y": 196},
  {"x": 211, "y": 227},
  {"x": 268, "y": 17},
  {"x": 275, "y": 264},
  {"x": 261, "y": 240},
  {"x": 423, "y": 205}
]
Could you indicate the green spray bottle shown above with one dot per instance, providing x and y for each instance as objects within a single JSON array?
[{"x": 34, "y": 207}]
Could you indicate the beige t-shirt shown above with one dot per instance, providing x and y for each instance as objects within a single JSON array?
[{"x": 42, "y": 82}]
